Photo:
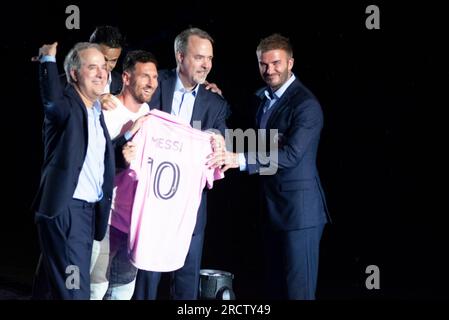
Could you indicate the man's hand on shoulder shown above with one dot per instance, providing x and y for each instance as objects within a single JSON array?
[
  {"x": 108, "y": 101},
  {"x": 212, "y": 87}
]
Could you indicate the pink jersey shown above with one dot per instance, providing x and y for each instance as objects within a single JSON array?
[{"x": 171, "y": 172}]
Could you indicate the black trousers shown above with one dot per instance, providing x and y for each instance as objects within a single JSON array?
[
  {"x": 66, "y": 248},
  {"x": 292, "y": 263}
]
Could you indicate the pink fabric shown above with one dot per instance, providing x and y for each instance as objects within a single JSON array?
[
  {"x": 125, "y": 184},
  {"x": 118, "y": 121},
  {"x": 171, "y": 173}
]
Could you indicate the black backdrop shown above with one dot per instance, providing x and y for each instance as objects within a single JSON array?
[{"x": 380, "y": 93}]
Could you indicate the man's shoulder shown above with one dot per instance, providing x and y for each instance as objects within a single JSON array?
[
  {"x": 213, "y": 97},
  {"x": 63, "y": 79},
  {"x": 166, "y": 74},
  {"x": 303, "y": 94},
  {"x": 214, "y": 102},
  {"x": 72, "y": 96},
  {"x": 67, "y": 88},
  {"x": 298, "y": 94}
]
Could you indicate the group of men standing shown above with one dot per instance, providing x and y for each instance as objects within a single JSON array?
[{"x": 90, "y": 146}]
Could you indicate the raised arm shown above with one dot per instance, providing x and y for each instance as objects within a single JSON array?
[{"x": 55, "y": 107}]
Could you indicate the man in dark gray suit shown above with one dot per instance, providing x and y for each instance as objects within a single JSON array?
[{"x": 293, "y": 201}]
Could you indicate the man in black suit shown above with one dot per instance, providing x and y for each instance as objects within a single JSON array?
[
  {"x": 292, "y": 198},
  {"x": 74, "y": 197},
  {"x": 182, "y": 92},
  {"x": 111, "y": 44}
]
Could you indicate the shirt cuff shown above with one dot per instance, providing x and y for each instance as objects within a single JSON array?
[
  {"x": 128, "y": 135},
  {"x": 47, "y": 59},
  {"x": 242, "y": 162}
]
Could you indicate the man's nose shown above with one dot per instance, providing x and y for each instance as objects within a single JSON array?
[
  {"x": 153, "y": 83},
  {"x": 206, "y": 64},
  {"x": 270, "y": 69},
  {"x": 101, "y": 72}
]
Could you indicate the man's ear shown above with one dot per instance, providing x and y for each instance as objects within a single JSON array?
[
  {"x": 125, "y": 77},
  {"x": 179, "y": 57},
  {"x": 73, "y": 75},
  {"x": 291, "y": 62}
]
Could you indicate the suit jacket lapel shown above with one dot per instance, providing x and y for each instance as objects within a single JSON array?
[
  {"x": 279, "y": 106},
  {"x": 282, "y": 104},
  {"x": 200, "y": 106},
  {"x": 167, "y": 89},
  {"x": 260, "y": 101},
  {"x": 70, "y": 90}
]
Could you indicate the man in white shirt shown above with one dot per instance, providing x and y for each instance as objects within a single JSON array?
[{"x": 112, "y": 274}]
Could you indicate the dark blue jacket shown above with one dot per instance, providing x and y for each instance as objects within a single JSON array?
[
  {"x": 292, "y": 198},
  {"x": 65, "y": 139}
]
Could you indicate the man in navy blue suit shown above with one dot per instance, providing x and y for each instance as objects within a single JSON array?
[
  {"x": 111, "y": 44},
  {"x": 74, "y": 197},
  {"x": 293, "y": 201},
  {"x": 182, "y": 92}
]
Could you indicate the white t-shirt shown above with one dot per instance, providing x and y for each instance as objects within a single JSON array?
[{"x": 118, "y": 121}]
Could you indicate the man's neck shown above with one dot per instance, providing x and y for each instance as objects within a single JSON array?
[
  {"x": 89, "y": 103},
  {"x": 185, "y": 82},
  {"x": 129, "y": 102}
]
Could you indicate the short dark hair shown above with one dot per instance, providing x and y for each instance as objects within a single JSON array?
[
  {"x": 109, "y": 36},
  {"x": 274, "y": 42},
  {"x": 135, "y": 56}
]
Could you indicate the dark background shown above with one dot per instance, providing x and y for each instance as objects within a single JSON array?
[{"x": 382, "y": 94}]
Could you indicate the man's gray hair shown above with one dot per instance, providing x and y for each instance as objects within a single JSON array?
[
  {"x": 182, "y": 38},
  {"x": 73, "y": 61}
]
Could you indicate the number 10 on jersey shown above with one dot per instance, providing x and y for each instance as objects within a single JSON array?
[{"x": 160, "y": 178}]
